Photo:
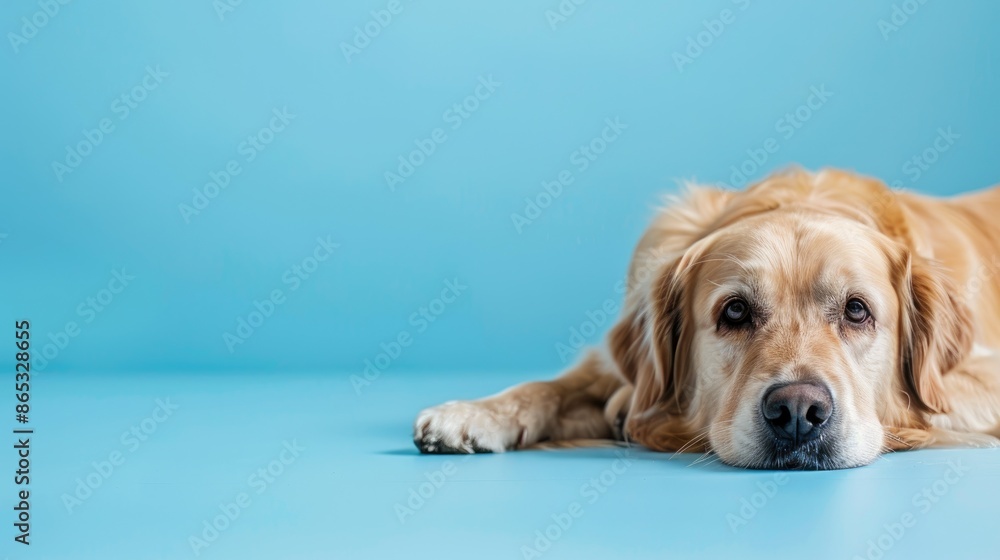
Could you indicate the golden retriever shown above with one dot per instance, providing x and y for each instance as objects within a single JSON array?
[{"x": 812, "y": 321}]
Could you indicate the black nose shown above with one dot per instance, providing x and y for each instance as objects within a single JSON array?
[{"x": 797, "y": 412}]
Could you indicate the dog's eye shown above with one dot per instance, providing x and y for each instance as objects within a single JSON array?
[
  {"x": 737, "y": 312},
  {"x": 855, "y": 311}
]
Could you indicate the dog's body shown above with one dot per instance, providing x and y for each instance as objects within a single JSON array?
[{"x": 811, "y": 321}]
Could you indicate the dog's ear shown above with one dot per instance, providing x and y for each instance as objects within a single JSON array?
[
  {"x": 649, "y": 339},
  {"x": 643, "y": 343},
  {"x": 649, "y": 346},
  {"x": 936, "y": 331}
]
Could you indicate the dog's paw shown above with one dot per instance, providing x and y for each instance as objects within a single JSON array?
[{"x": 465, "y": 427}]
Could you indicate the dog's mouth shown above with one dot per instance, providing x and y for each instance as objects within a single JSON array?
[
  {"x": 798, "y": 428},
  {"x": 810, "y": 456},
  {"x": 815, "y": 455}
]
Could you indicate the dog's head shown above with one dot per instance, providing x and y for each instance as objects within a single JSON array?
[{"x": 793, "y": 330}]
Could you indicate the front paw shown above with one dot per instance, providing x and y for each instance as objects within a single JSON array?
[{"x": 465, "y": 427}]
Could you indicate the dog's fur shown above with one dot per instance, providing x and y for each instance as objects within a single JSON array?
[{"x": 797, "y": 246}]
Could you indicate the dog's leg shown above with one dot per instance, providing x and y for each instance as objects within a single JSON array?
[{"x": 569, "y": 407}]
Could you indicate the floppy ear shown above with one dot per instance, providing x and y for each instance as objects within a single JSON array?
[
  {"x": 648, "y": 344},
  {"x": 936, "y": 334},
  {"x": 643, "y": 343}
]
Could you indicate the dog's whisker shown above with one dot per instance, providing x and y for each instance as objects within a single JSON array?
[
  {"x": 693, "y": 441},
  {"x": 703, "y": 458},
  {"x": 709, "y": 459}
]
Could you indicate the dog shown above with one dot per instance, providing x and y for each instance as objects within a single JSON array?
[{"x": 812, "y": 321}]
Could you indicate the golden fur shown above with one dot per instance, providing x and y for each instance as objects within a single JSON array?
[{"x": 924, "y": 371}]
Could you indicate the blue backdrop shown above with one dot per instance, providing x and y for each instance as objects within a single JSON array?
[{"x": 400, "y": 185}]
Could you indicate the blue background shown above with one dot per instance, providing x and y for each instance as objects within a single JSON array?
[
  {"x": 926, "y": 88},
  {"x": 324, "y": 175}
]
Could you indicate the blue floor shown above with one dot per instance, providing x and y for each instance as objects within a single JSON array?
[{"x": 346, "y": 482}]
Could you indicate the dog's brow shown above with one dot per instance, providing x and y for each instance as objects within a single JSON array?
[{"x": 727, "y": 257}]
